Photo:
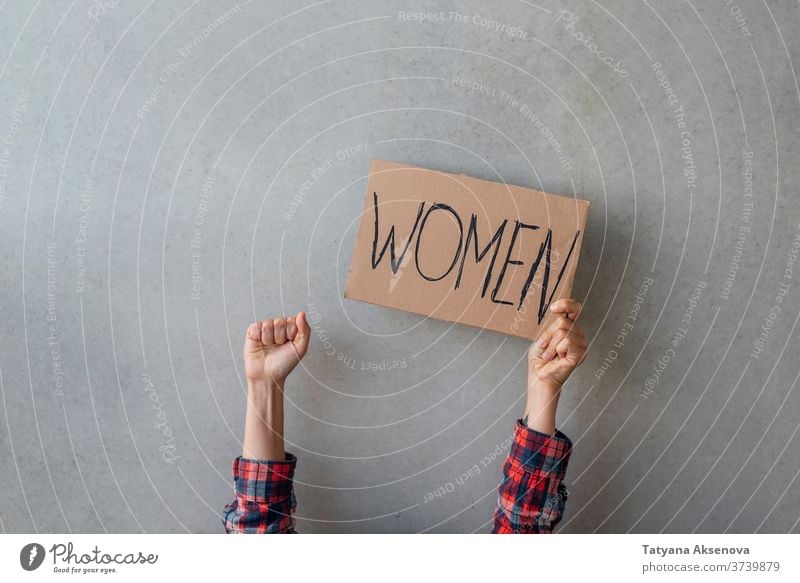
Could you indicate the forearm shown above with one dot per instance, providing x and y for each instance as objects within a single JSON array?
[
  {"x": 540, "y": 408},
  {"x": 263, "y": 476},
  {"x": 263, "y": 426}
]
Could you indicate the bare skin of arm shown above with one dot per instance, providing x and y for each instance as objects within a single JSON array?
[
  {"x": 551, "y": 359},
  {"x": 272, "y": 349}
]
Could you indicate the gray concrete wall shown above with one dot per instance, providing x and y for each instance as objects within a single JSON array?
[{"x": 171, "y": 171}]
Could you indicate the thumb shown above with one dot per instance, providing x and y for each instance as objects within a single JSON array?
[
  {"x": 303, "y": 335},
  {"x": 253, "y": 334}
]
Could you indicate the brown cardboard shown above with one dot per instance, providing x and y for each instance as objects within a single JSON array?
[{"x": 421, "y": 260}]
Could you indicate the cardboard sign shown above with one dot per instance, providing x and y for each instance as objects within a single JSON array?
[{"x": 465, "y": 250}]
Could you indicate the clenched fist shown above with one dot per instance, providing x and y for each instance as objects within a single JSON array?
[
  {"x": 559, "y": 349},
  {"x": 272, "y": 348}
]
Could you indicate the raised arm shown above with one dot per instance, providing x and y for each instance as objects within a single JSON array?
[
  {"x": 531, "y": 493},
  {"x": 263, "y": 474}
]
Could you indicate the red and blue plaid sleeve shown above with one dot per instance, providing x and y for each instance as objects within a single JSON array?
[
  {"x": 532, "y": 496},
  {"x": 265, "y": 500}
]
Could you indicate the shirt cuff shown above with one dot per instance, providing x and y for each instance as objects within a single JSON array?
[
  {"x": 263, "y": 479},
  {"x": 533, "y": 450}
]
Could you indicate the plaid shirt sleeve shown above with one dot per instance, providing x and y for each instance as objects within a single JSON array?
[
  {"x": 531, "y": 495},
  {"x": 265, "y": 500}
]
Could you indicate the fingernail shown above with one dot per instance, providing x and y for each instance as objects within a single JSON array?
[{"x": 542, "y": 342}]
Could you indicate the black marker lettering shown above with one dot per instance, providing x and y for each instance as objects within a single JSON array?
[
  {"x": 517, "y": 227},
  {"x": 395, "y": 261},
  {"x": 542, "y": 305},
  {"x": 547, "y": 243},
  {"x": 435, "y": 207},
  {"x": 479, "y": 255}
]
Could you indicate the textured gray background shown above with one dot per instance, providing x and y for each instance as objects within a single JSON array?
[{"x": 127, "y": 131}]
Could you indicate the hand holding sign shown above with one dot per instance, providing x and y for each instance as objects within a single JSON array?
[
  {"x": 559, "y": 349},
  {"x": 551, "y": 359},
  {"x": 464, "y": 250}
]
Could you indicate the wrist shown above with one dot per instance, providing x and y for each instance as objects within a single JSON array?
[
  {"x": 543, "y": 389},
  {"x": 264, "y": 395},
  {"x": 541, "y": 406},
  {"x": 264, "y": 386}
]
